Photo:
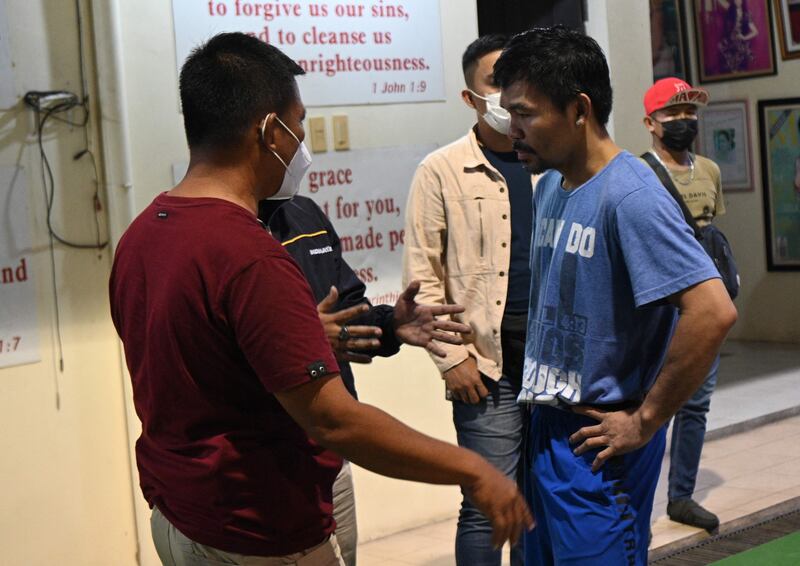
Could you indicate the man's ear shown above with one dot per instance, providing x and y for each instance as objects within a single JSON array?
[
  {"x": 266, "y": 131},
  {"x": 466, "y": 96},
  {"x": 649, "y": 123},
  {"x": 583, "y": 109}
]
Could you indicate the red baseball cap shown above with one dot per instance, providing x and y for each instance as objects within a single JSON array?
[{"x": 671, "y": 92}]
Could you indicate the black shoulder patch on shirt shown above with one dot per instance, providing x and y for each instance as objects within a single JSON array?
[{"x": 317, "y": 370}]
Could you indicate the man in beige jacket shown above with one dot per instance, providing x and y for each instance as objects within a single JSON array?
[{"x": 468, "y": 232}]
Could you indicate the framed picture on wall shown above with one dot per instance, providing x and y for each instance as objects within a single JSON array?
[
  {"x": 725, "y": 138},
  {"x": 779, "y": 127},
  {"x": 734, "y": 39},
  {"x": 789, "y": 27},
  {"x": 668, "y": 39}
]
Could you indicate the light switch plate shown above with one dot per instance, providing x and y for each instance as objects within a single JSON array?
[
  {"x": 341, "y": 133},
  {"x": 316, "y": 127}
]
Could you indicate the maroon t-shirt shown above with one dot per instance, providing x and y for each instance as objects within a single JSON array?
[{"x": 215, "y": 318}]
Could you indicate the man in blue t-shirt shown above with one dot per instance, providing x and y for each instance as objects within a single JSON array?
[{"x": 615, "y": 271}]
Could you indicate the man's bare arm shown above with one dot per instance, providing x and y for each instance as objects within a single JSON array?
[
  {"x": 706, "y": 316},
  {"x": 374, "y": 440}
]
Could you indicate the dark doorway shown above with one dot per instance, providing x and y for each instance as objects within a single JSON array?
[{"x": 514, "y": 16}]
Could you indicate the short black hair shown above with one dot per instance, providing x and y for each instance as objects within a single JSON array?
[
  {"x": 228, "y": 83},
  {"x": 560, "y": 63},
  {"x": 480, "y": 47}
]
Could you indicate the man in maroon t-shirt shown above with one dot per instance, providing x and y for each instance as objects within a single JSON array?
[{"x": 233, "y": 377}]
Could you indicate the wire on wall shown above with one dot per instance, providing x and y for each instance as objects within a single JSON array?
[
  {"x": 57, "y": 106},
  {"x": 87, "y": 151},
  {"x": 50, "y": 105}
]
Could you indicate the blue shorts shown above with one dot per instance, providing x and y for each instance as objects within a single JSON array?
[{"x": 585, "y": 518}]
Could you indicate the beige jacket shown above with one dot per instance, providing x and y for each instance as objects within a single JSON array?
[{"x": 458, "y": 244}]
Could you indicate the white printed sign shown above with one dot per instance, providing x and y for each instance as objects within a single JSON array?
[
  {"x": 353, "y": 52},
  {"x": 8, "y": 96},
  {"x": 19, "y": 328},
  {"x": 363, "y": 193}
]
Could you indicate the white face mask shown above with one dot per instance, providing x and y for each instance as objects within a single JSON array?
[
  {"x": 496, "y": 116},
  {"x": 295, "y": 170}
]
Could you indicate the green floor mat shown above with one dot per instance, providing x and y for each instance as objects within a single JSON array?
[
  {"x": 784, "y": 551},
  {"x": 771, "y": 542}
]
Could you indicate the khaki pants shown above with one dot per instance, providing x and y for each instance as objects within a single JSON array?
[
  {"x": 344, "y": 511},
  {"x": 175, "y": 549}
]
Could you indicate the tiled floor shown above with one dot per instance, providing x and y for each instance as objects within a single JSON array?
[
  {"x": 755, "y": 379},
  {"x": 739, "y": 474}
]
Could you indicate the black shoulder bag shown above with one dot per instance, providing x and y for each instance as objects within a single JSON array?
[{"x": 710, "y": 237}]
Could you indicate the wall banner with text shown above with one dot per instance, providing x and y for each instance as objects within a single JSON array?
[
  {"x": 8, "y": 95},
  {"x": 356, "y": 52},
  {"x": 19, "y": 326}
]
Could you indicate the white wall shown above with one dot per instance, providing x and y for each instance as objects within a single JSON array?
[
  {"x": 619, "y": 27},
  {"x": 66, "y": 496},
  {"x": 630, "y": 64},
  {"x": 769, "y": 308}
]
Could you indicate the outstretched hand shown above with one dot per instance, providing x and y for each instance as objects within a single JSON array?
[
  {"x": 417, "y": 325},
  {"x": 351, "y": 338},
  {"x": 499, "y": 499}
]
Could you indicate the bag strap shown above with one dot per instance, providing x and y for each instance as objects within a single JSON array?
[{"x": 666, "y": 180}]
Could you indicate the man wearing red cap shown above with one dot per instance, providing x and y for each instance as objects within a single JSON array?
[{"x": 671, "y": 107}]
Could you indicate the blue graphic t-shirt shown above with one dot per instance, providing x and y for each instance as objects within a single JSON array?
[{"x": 603, "y": 258}]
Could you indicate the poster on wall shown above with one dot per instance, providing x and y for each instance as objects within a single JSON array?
[
  {"x": 734, "y": 39},
  {"x": 19, "y": 326},
  {"x": 353, "y": 52},
  {"x": 725, "y": 139},
  {"x": 7, "y": 95},
  {"x": 363, "y": 192},
  {"x": 668, "y": 40},
  {"x": 789, "y": 27},
  {"x": 779, "y": 122}
]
